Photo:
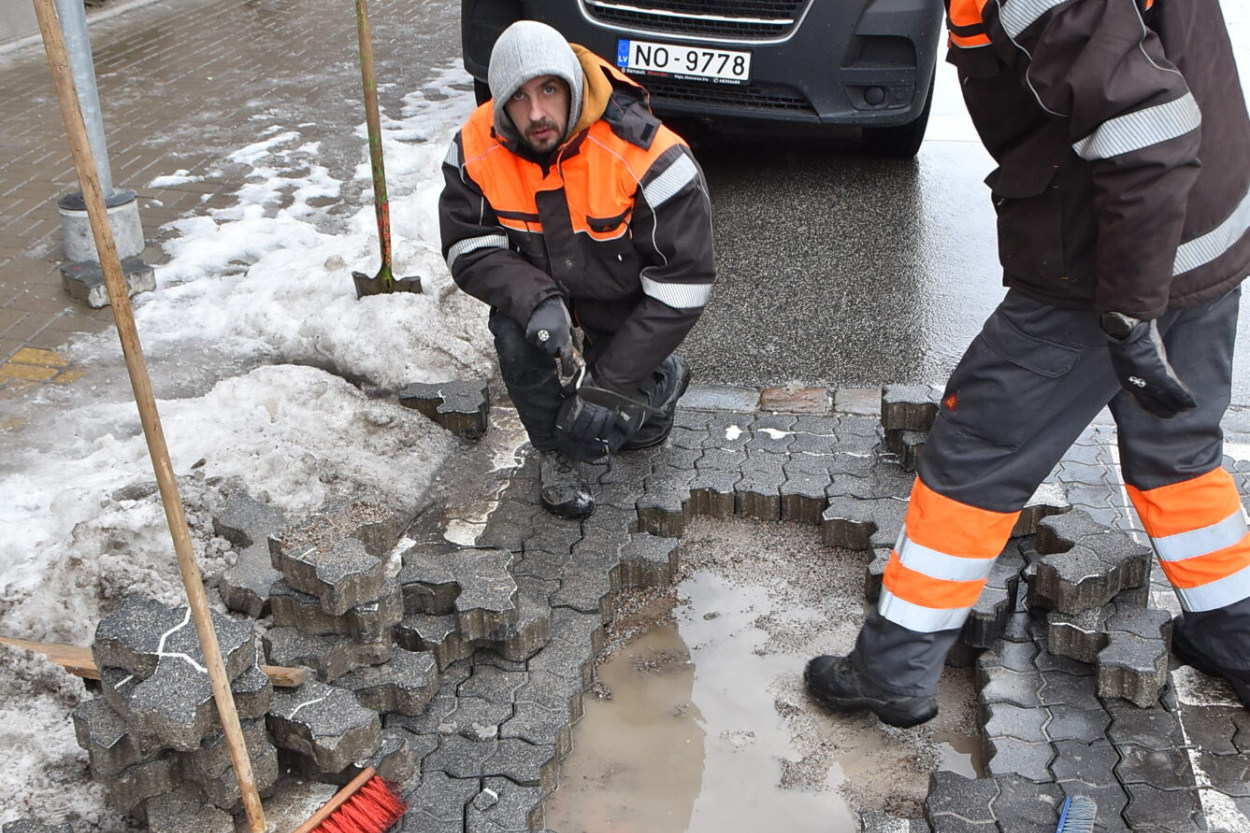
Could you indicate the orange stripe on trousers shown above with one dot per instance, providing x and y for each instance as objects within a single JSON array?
[
  {"x": 1191, "y": 504},
  {"x": 955, "y": 528},
  {"x": 927, "y": 591}
]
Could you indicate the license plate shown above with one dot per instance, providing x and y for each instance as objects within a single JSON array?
[{"x": 692, "y": 63}]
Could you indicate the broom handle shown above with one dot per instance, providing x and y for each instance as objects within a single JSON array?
[
  {"x": 106, "y": 248},
  {"x": 381, "y": 206}
]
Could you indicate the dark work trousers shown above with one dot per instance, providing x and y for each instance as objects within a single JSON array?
[
  {"x": 532, "y": 382},
  {"x": 1026, "y": 388}
]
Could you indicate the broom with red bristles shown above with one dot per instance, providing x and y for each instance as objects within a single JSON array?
[{"x": 366, "y": 805}]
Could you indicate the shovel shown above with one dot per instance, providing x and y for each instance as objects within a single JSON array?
[{"x": 383, "y": 282}]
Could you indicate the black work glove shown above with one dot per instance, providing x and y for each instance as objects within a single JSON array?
[
  {"x": 1141, "y": 365},
  {"x": 592, "y": 430},
  {"x": 549, "y": 328}
]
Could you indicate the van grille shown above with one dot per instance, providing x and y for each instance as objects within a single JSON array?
[
  {"x": 730, "y": 19},
  {"x": 768, "y": 97}
]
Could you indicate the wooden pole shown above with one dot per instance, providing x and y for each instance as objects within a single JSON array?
[{"x": 119, "y": 298}]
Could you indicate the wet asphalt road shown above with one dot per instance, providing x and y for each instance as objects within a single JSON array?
[{"x": 841, "y": 269}]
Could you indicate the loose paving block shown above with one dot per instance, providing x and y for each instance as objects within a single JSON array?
[
  {"x": 476, "y": 585},
  {"x": 461, "y": 406},
  {"x": 954, "y": 798},
  {"x": 405, "y": 684},
  {"x": 325, "y": 723},
  {"x": 153, "y": 674},
  {"x": 1084, "y": 564},
  {"x": 907, "y": 446},
  {"x": 110, "y": 745},
  {"x": 331, "y": 656},
  {"x": 247, "y": 524},
  {"x": 398, "y": 760},
  {"x": 186, "y": 809},
  {"x": 1128, "y": 643},
  {"x": 341, "y": 576},
  {"x": 143, "y": 635},
  {"x": 210, "y": 766},
  {"x": 909, "y": 407},
  {"x": 135, "y": 784},
  {"x": 1049, "y": 499},
  {"x": 367, "y": 623}
]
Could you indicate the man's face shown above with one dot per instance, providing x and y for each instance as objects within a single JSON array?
[{"x": 540, "y": 111}]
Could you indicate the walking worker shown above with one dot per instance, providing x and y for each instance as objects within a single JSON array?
[
  {"x": 566, "y": 200},
  {"x": 1123, "y": 200}
]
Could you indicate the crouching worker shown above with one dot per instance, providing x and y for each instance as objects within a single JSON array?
[{"x": 571, "y": 210}]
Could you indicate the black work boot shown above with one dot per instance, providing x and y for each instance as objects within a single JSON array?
[
  {"x": 564, "y": 490},
  {"x": 1189, "y": 655},
  {"x": 838, "y": 685},
  {"x": 672, "y": 379}
]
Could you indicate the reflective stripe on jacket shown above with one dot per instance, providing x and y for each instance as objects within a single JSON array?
[
  {"x": 617, "y": 220},
  {"x": 1122, "y": 143}
]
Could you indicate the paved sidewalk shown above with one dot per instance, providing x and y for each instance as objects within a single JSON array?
[{"x": 182, "y": 84}]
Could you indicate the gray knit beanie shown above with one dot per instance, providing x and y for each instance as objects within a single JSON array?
[{"x": 526, "y": 50}]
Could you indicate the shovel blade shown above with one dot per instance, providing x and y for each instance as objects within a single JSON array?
[{"x": 376, "y": 285}]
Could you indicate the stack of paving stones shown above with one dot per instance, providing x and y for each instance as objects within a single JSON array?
[
  {"x": 153, "y": 737},
  {"x": 334, "y": 608}
]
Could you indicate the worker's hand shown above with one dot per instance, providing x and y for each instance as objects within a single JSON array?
[
  {"x": 1141, "y": 364},
  {"x": 549, "y": 328},
  {"x": 593, "y": 430}
]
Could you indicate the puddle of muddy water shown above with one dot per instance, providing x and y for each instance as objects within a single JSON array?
[{"x": 701, "y": 723}]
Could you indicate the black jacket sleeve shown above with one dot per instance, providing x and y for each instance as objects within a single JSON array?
[
  {"x": 1130, "y": 114},
  {"x": 672, "y": 224}
]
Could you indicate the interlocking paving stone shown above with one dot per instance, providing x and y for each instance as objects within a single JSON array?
[
  {"x": 1006, "y": 755},
  {"x": 247, "y": 524},
  {"x": 460, "y": 406},
  {"x": 153, "y": 673},
  {"x": 476, "y": 585},
  {"x": 1006, "y": 720},
  {"x": 341, "y": 576},
  {"x": 1128, "y": 643},
  {"x": 1068, "y": 723},
  {"x": 952, "y": 797},
  {"x": 909, "y": 407},
  {"x": 1165, "y": 769},
  {"x": 1091, "y": 763},
  {"x": 366, "y": 623},
  {"x": 331, "y": 656},
  {"x": 183, "y": 810},
  {"x": 110, "y": 746},
  {"x": 135, "y": 784},
  {"x": 405, "y": 684},
  {"x": 1084, "y": 564},
  {"x": 511, "y": 808},
  {"x": 437, "y": 801},
  {"x": 325, "y": 723},
  {"x": 1150, "y": 809},
  {"x": 1024, "y": 805}
]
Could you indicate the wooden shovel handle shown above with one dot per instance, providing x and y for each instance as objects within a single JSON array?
[{"x": 119, "y": 298}]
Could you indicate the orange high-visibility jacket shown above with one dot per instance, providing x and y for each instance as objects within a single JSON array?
[
  {"x": 1122, "y": 143},
  {"x": 617, "y": 221}
]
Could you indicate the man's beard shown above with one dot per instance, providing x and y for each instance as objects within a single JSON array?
[{"x": 547, "y": 145}]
